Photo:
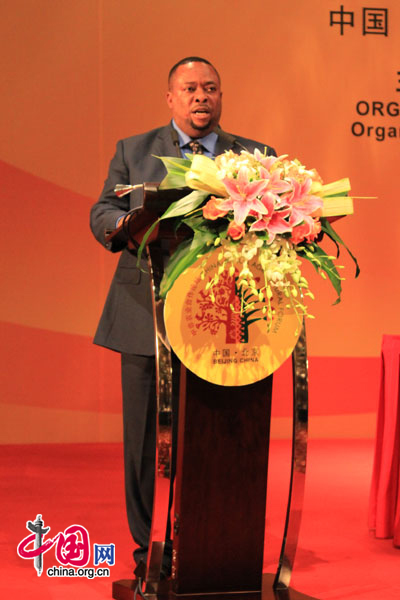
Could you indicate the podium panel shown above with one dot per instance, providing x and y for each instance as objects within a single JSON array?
[{"x": 220, "y": 494}]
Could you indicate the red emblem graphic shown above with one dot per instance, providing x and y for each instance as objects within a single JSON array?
[{"x": 226, "y": 312}]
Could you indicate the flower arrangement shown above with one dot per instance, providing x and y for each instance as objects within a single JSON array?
[{"x": 255, "y": 206}]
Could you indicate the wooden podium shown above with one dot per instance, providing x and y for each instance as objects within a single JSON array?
[{"x": 215, "y": 504}]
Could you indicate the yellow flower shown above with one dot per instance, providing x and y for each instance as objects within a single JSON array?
[{"x": 203, "y": 176}]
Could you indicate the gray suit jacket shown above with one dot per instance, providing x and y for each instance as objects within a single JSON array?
[{"x": 126, "y": 324}]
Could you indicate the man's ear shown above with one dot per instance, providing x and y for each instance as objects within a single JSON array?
[{"x": 169, "y": 99}]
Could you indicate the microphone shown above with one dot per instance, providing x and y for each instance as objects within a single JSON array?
[
  {"x": 175, "y": 141},
  {"x": 229, "y": 138}
]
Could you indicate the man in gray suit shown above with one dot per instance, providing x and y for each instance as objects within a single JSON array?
[{"x": 126, "y": 326}]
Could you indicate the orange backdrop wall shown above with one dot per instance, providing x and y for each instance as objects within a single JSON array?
[{"x": 78, "y": 75}]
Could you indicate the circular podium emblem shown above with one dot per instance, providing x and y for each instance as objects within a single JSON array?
[{"x": 215, "y": 339}]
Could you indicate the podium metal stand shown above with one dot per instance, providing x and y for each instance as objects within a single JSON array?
[{"x": 216, "y": 503}]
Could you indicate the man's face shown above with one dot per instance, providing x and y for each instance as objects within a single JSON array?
[{"x": 194, "y": 97}]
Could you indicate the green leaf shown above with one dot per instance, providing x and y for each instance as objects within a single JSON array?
[
  {"x": 175, "y": 163},
  {"x": 199, "y": 224},
  {"x": 173, "y": 181},
  {"x": 144, "y": 240},
  {"x": 203, "y": 237},
  {"x": 328, "y": 229},
  {"x": 184, "y": 256},
  {"x": 338, "y": 195},
  {"x": 176, "y": 169},
  {"x": 195, "y": 222},
  {"x": 176, "y": 209},
  {"x": 185, "y": 205},
  {"x": 328, "y": 266}
]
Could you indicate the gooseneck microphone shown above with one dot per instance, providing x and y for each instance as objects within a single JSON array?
[
  {"x": 229, "y": 138},
  {"x": 175, "y": 141}
]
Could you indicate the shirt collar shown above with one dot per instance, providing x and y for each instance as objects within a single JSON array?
[{"x": 209, "y": 141}]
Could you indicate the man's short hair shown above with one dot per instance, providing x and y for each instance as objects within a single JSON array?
[{"x": 189, "y": 59}]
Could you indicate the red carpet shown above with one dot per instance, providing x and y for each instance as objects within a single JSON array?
[{"x": 82, "y": 484}]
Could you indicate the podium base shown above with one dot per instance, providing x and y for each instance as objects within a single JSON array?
[{"x": 124, "y": 589}]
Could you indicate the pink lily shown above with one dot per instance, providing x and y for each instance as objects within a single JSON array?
[
  {"x": 266, "y": 161},
  {"x": 274, "y": 221},
  {"x": 275, "y": 183},
  {"x": 244, "y": 195},
  {"x": 302, "y": 204}
]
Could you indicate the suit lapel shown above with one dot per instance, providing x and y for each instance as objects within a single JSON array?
[
  {"x": 164, "y": 144},
  {"x": 222, "y": 145}
]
